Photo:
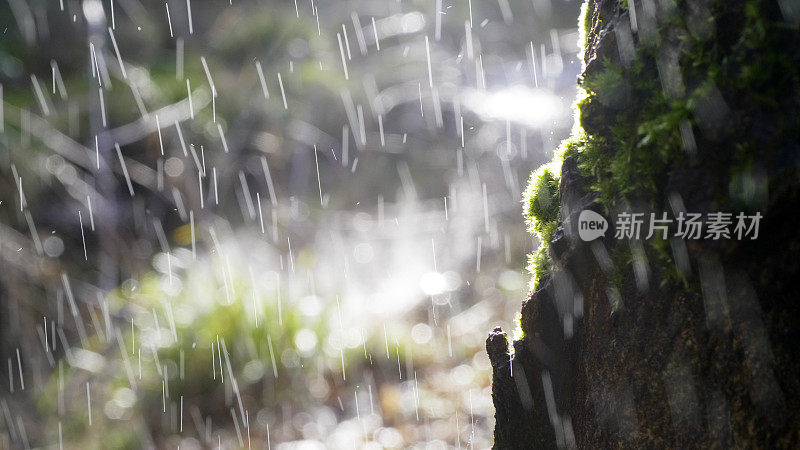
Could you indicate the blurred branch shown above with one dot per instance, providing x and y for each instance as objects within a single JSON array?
[{"x": 84, "y": 157}]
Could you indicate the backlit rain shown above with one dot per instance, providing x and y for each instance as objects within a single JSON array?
[{"x": 263, "y": 224}]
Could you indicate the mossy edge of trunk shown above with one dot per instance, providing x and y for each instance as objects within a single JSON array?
[{"x": 691, "y": 105}]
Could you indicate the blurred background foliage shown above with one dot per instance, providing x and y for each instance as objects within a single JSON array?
[{"x": 342, "y": 244}]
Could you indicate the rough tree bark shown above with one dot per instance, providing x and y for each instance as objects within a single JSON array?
[{"x": 684, "y": 343}]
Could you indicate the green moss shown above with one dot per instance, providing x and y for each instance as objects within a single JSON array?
[
  {"x": 608, "y": 86},
  {"x": 519, "y": 333},
  {"x": 627, "y": 138},
  {"x": 629, "y": 144},
  {"x": 539, "y": 262},
  {"x": 632, "y": 114},
  {"x": 542, "y": 211},
  {"x": 541, "y": 198},
  {"x": 585, "y": 22}
]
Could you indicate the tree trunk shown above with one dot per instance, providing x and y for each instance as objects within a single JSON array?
[{"x": 690, "y": 106}]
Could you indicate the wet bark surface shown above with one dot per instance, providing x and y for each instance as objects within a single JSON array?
[{"x": 707, "y": 361}]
